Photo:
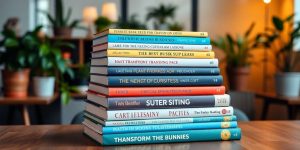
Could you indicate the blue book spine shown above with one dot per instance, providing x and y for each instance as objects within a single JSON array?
[
  {"x": 131, "y": 71},
  {"x": 158, "y": 39},
  {"x": 172, "y": 136},
  {"x": 169, "y": 127},
  {"x": 122, "y": 81},
  {"x": 169, "y": 121}
]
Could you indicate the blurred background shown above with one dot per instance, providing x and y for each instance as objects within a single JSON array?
[{"x": 256, "y": 41}]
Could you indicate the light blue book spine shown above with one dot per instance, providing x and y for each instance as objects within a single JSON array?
[
  {"x": 169, "y": 127},
  {"x": 172, "y": 136},
  {"x": 158, "y": 39},
  {"x": 170, "y": 121}
]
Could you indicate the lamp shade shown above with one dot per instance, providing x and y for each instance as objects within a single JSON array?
[
  {"x": 109, "y": 10},
  {"x": 89, "y": 14},
  {"x": 267, "y": 1}
]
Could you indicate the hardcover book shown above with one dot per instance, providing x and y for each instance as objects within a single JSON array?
[
  {"x": 151, "y": 39},
  {"x": 156, "y": 62},
  {"x": 156, "y": 91},
  {"x": 158, "y": 102},
  {"x": 101, "y": 112},
  {"x": 159, "y": 121},
  {"x": 146, "y": 46},
  {"x": 150, "y": 71},
  {"x": 153, "y": 54},
  {"x": 165, "y": 137},
  {"x": 150, "y": 32}
]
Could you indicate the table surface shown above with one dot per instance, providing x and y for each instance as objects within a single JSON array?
[
  {"x": 255, "y": 135},
  {"x": 274, "y": 97},
  {"x": 30, "y": 100}
]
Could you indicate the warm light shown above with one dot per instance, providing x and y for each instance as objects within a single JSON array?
[
  {"x": 89, "y": 14},
  {"x": 267, "y": 1},
  {"x": 109, "y": 10}
]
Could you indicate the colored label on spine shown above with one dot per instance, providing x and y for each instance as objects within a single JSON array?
[
  {"x": 138, "y": 46},
  {"x": 157, "y": 32}
]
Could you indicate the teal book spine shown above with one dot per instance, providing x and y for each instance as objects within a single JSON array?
[
  {"x": 169, "y": 127},
  {"x": 172, "y": 136},
  {"x": 170, "y": 121},
  {"x": 158, "y": 39}
]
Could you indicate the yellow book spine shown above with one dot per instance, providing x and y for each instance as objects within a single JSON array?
[
  {"x": 157, "y": 32},
  {"x": 160, "y": 54}
]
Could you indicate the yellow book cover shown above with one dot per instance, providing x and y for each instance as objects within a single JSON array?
[
  {"x": 153, "y": 32},
  {"x": 160, "y": 54}
]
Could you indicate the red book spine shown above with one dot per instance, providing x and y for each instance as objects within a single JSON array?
[{"x": 166, "y": 91}]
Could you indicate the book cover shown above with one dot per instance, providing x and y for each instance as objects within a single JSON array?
[
  {"x": 159, "y": 121},
  {"x": 128, "y": 81},
  {"x": 149, "y": 71},
  {"x": 166, "y": 113},
  {"x": 166, "y": 137},
  {"x": 153, "y": 54},
  {"x": 154, "y": 62},
  {"x": 158, "y": 102},
  {"x": 157, "y": 91},
  {"x": 145, "y": 46},
  {"x": 151, "y": 39},
  {"x": 151, "y": 32}
]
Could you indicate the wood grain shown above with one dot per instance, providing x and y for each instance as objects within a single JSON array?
[
  {"x": 31, "y": 100},
  {"x": 257, "y": 135}
]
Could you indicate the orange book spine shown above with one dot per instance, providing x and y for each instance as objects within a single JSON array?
[{"x": 166, "y": 91}]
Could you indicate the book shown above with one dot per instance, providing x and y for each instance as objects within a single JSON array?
[
  {"x": 145, "y": 46},
  {"x": 157, "y": 128},
  {"x": 128, "y": 81},
  {"x": 151, "y": 32},
  {"x": 158, "y": 102},
  {"x": 151, "y": 39},
  {"x": 101, "y": 112},
  {"x": 159, "y": 121},
  {"x": 164, "y": 137},
  {"x": 166, "y": 62},
  {"x": 149, "y": 71},
  {"x": 156, "y": 91},
  {"x": 153, "y": 54}
]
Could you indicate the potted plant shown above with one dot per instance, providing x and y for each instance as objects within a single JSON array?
[
  {"x": 175, "y": 26},
  {"x": 237, "y": 54},
  {"x": 131, "y": 23},
  {"x": 81, "y": 78},
  {"x": 61, "y": 24},
  {"x": 102, "y": 23},
  {"x": 160, "y": 15},
  {"x": 281, "y": 39},
  {"x": 17, "y": 57}
]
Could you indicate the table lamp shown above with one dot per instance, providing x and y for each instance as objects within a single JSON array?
[
  {"x": 89, "y": 15},
  {"x": 109, "y": 10}
]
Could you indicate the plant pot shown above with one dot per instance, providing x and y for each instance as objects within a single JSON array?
[
  {"x": 62, "y": 32},
  {"x": 15, "y": 83},
  {"x": 43, "y": 86},
  {"x": 238, "y": 78},
  {"x": 287, "y": 84}
]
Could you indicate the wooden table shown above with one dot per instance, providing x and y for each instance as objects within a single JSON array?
[
  {"x": 255, "y": 135},
  {"x": 24, "y": 102},
  {"x": 292, "y": 104}
]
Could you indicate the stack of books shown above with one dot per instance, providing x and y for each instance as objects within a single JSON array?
[{"x": 151, "y": 86}]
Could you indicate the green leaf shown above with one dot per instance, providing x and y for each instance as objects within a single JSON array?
[
  {"x": 74, "y": 23},
  {"x": 61, "y": 66},
  {"x": 289, "y": 18},
  {"x": 247, "y": 33},
  {"x": 70, "y": 72},
  {"x": 11, "y": 42},
  {"x": 65, "y": 97},
  {"x": 68, "y": 15},
  {"x": 278, "y": 23}
]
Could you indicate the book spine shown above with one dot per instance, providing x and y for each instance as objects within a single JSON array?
[
  {"x": 167, "y": 62},
  {"x": 166, "y": 91},
  {"x": 159, "y": 54},
  {"x": 139, "y": 46},
  {"x": 125, "y": 81},
  {"x": 168, "y": 113},
  {"x": 168, "y": 102},
  {"x": 171, "y": 121},
  {"x": 172, "y": 136},
  {"x": 157, "y": 39},
  {"x": 168, "y": 127},
  {"x": 161, "y": 71},
  {"x": 157, "y": 32}
]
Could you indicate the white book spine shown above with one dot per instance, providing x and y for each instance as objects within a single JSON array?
[
  {"x": 177, "y": 62},
  {"x": 169, "y": 113},
  {"x": 138, "y": 46}
]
